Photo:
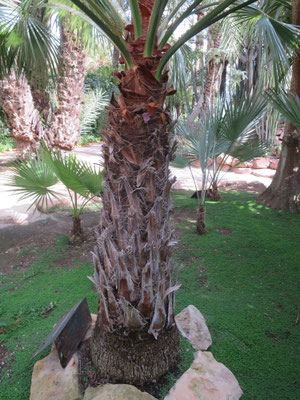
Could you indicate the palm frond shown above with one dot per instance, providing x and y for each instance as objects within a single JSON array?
[
  {"x": 26, "y": 43},
  {"x": 241, "y": 115},
  {"x": 33, "y": 179},
  {"x": 249, "y": 149},
  {"x": 278, "y": 37},
  {"x": 94, "y": 103},
  {"x": 76, "y": 175},
  {"x": 287, "y": 104},
  {"x": 211, "y": 17}
]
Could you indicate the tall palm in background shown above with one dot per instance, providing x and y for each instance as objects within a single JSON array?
[
  {"x": 135, "y": 339},
  {"x": 31, "y": 54}
]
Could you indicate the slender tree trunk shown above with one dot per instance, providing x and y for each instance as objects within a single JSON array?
[
  {"x": 212, "y": 68},
  {"x": 284, "y": 191},
  {"x": 200, "y": 225},
  {"x": 76, "y": 232},
  {"x": 135, "y": 339},
  {"x": 65, "y": 124},
  {"x": 22, "y": 117}
]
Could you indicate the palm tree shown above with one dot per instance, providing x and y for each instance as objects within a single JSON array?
[
  {"x": 284, "y": 191},
  {"x": 35, "y": 178},
  {"x": 21, "y": 60},
  {"x": 134, "y": 237},
  {"x": 227, "y": 130},
  {"x": 25, "y": 68}
]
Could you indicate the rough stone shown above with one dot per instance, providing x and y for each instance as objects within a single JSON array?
[
  {"x": 267, "y": 173},
  {"x": 261, "y": 162},
  {"x": 274, "y": 163},
  {"x": 207, "y": 379},
  {"x": 116, "y": 392},
  {"x": 51, "y": 382},
  {"x": 241, "y": 170},
  {"x": 191, "y": 324}
]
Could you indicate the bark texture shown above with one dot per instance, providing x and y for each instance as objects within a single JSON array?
[
  {"x": 134, "y": 237},
  {"x": 284, "y": 191},
  {"x": 22, "y": 117},
  {"x": 65, "y": 124},
  {"x": 76, "y": 232},
  {"x": 200, "y": 224}
]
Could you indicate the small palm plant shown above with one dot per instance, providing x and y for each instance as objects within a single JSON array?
[
  {"x": 36, "y": 177},
  {"x": 226, "y": 131}
]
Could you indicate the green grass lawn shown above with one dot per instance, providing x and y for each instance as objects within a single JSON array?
[{"x": 246, "y": 284}]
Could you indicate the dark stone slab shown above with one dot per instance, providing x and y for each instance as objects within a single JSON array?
[{"x": 69, "y": 332}]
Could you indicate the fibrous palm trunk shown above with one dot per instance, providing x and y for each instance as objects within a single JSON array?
[
  {"x": 200, "y": 224},
  {"x": 65, "y": 124},
  {"x": 284, "y": 191},
  {"x": 135, "y": 338},
  {"x": 22, "y": 117}
]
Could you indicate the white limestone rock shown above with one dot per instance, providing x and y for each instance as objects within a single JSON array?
[
  {"x": 191, "y": 324},
  {"x": 206, "y": 379},
  {"x": 52, "y": 382},
  {"x": 116, "y": 392}
]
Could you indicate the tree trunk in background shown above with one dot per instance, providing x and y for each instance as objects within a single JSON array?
[
  {"x": 23, "y": 118},
  {"x": 212, "y": 68},
  {"x": 284, "y": 191},
  {"x": 41, "y": 101},
  {"x": 65, "y": 124},
  {"x": 135, "y": 339}
]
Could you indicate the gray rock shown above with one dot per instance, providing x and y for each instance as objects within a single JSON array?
[
  {"x": 207, "y": 379},
  {"x": 192, "y": 326}
]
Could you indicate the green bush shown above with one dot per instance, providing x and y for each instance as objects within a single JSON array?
[{"x": 6, "y": 141}]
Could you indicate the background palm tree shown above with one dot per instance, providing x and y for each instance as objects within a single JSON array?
[
  {"x": 284, "y": 191},
  {"x": 26, "y": 101}
]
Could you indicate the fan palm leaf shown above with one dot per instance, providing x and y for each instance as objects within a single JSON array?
[
  {"x": 26, "y": 43},
  {"x": 76, "y": 175},
  {"x": 287, "y": 104},
  {"x": 33, "y": 179}
]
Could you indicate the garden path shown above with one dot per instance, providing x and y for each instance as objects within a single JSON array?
[{"x": 14, "y": 210}]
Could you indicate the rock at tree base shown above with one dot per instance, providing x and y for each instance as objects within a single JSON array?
[
  {"x": 116, "y": 392},
  {"x": 207, "y": 379},
  {"x": 51, "y": 382},
  {"x": 191, "y": 324}
]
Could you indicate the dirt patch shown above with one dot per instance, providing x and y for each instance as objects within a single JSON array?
[
  {"x": 19, "y": 243},
  {"x": 225, "y": 231},
  {"x": 6, "y": 359},
  {"x": 253, "y": 187}
]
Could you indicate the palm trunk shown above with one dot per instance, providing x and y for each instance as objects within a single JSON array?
[
  {"x": 76, "y": 232},
  {"x": 212, "y": 69},
  {"x": 65, "y": 124},
  {"x": 135, "y": 237},
  {"x": 200, "y": 225},
  {"x": 22, "y": 117},
  {"x": 284, "y": 191}
]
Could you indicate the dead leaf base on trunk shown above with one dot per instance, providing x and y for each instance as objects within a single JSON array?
[{"x": 137, "y": 358}]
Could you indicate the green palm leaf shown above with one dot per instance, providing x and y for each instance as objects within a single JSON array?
[
  {"x": 287, "y": 104},
  {"x": 33, "y": 179},
  {"x": 76, "y": 175},
  {"x": 277, "y": 36},
  {"x": 26, "y": 43}
]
